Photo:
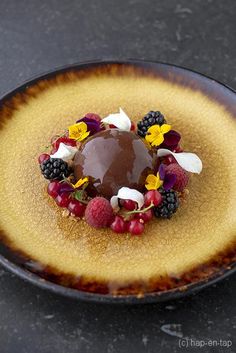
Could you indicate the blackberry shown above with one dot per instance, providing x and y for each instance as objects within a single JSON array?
[
  {"x": 55, "y": 168},
  {"x": 151, "y": 118},
  {"x": 169, "y": 204}
]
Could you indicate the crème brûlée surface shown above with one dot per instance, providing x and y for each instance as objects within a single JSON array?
[{"x": 31, "y": 223}]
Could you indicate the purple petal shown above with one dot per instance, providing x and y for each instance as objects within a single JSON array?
[
  {"x": 65, "y": 188},
  {"x": 162, "y": 171},
  {"x": 92, "y": 125},
  {"x": 171, "y": 140},
  {"x": 93, "y": 116},
  {"x": 169, "y": 181}
]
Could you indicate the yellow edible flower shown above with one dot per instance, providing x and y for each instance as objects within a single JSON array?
[
  {"x": 80, "y": 182},
  {"x": 78, "y": 131},
  {"x": 153, "y": 182},
  {"x": 155, "y": 134}
]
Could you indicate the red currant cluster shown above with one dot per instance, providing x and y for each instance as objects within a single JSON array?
[
  {"x": 55, "y": 187},
  {"x": 65, "y": 199},
  {"x": 98, "y": 212},
  {"x": 135, "y": 223}
]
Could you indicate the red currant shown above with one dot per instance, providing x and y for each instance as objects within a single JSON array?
[
  {"x": 152, "y": 196},
  {"x": 133, "y": 126},
  {"x": 119, "y": 225},
  {"x": 145, "y": 216},
  {"x": 63, "y": 200},
  {"x": 136, "y": 226},
  {"x": 129, "y": 204},
  {"x": 53, "y": 188},
  {"x": 43, "y": 157},
  {"x": 65, "y": 140},
  {"x": 77, "y": 208}
]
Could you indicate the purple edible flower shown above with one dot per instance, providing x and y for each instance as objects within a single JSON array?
[
  {"x": 65, "y": 188},
  {"x": 93, "y": 126},
  {"x": 171, "y": 140},
  {"x": 168, "y": 179},
  {"x": 162, "y": 171},
  {"x": 93, "y": 116}
]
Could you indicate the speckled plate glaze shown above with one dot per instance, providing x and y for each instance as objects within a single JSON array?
[{"x": 172, "y": 258}]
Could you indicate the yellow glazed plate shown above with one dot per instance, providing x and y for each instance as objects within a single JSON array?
[{"x": 196, "y": 247}]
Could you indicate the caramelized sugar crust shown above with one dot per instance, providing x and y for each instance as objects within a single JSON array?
[{"x": 170, "y": 253}]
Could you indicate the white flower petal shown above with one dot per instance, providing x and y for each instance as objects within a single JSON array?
[
  {"x": 127, "y": 194},
  {"x": 120, "y": 120},
  {"x": 188, "y": 161},
  {"x": 65, "y": 152}
]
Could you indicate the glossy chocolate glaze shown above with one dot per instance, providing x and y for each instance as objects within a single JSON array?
[{"x": 112, "y": 159}]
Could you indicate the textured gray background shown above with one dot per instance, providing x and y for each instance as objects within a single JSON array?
[{"x": 36, "y": 36}]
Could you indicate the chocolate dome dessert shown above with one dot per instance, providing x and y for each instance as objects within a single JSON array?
[
  {"x": 113, "y": 159},
  {"x": 169, "y": 253}
]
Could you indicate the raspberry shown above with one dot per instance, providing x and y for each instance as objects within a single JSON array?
[
  {"x": 169, "y": 159},
  {"x": 182, "y": 176},
  {"x": 99, "y": 212}
]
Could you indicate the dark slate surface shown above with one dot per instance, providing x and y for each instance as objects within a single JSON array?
[{"x": 36, "y": 36}]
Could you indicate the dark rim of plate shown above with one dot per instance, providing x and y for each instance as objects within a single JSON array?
[{"x": 160, "y": 296}]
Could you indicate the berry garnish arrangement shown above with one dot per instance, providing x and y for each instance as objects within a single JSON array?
[{"x": 112, "y": 173}]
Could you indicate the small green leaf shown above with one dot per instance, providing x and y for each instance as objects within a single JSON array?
[{"x": 79, "y": 195}]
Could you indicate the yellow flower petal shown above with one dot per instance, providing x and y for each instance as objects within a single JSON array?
[
  {"x": 165, "y": 128},
  {"x": 153, "y": 182},
  {"x": 149, "y": 138},
  {"x": 154, "y": 129},
  {"x": 80, "y": 182},
  {"x": 158, "y": 140},
  {"x": 159, "y": 182},
  {"x": 150, "y": 182},
  {"x": 83, "y": 136},
  {"x": 154, "y": 135},
  {"x": 78, "y": 131}
]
